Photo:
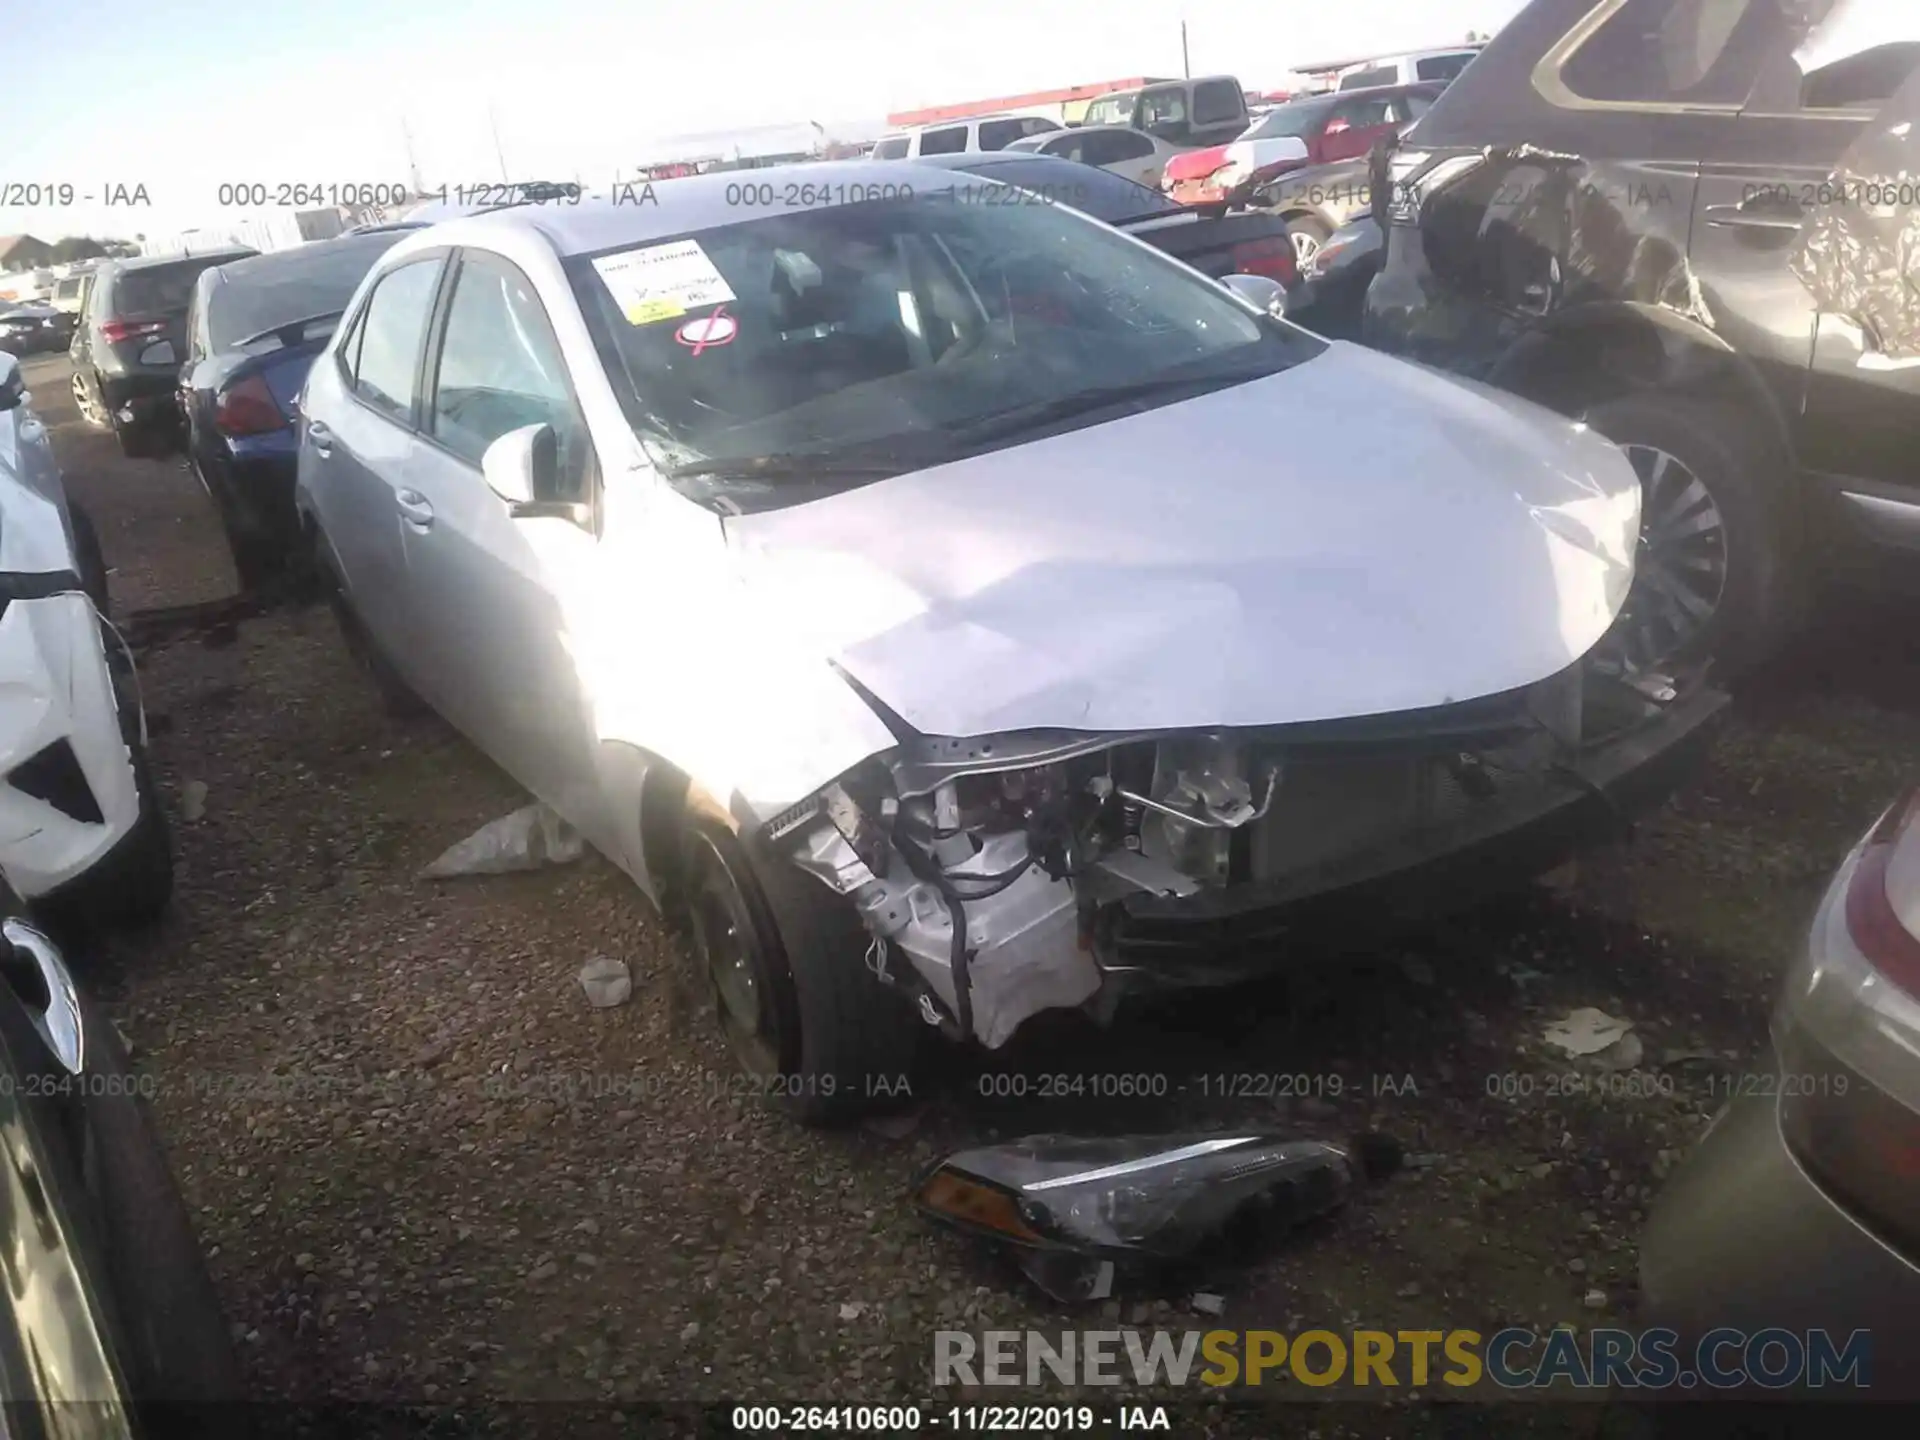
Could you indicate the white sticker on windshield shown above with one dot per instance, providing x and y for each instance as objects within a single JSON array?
[{"x": 663, "y": 282}]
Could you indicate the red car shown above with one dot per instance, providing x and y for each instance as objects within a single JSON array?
[{"x": 1343, "y": 126}]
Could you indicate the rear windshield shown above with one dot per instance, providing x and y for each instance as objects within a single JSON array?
[
  {"x": 894, "y": 147},
  {"x": 273, "y": 290},
  {"x": 157, "y": 289},
  {"x": 1367, "y": 79},
  {"x": 67, "y": 287},
  {"x": 1300, "y": 119}
]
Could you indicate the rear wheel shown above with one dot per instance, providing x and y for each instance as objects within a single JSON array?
[
  {"x": 1711, "y": 577},
  {"x": 397, "y": 697},
  {"x": 813, "y": 1028},
  {"x": 137, "y": 441},
  {"x": 257, "y": 563},
  {"x": 83, "y": 401}
]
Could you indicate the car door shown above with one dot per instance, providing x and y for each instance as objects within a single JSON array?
[
  {"x": 359, "y": 451},
  {"x": 1860, "y": 422},
  {"x": 488, "y": 585},
  {"x": 1816, "y": 89},
  {"x": 1355, "y": 127}
]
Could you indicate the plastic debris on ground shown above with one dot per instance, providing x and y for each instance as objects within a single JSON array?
[
  {"x": 606, "y": 982},
  {"x": 1594, "y": 1035},
  {"x": 529, "y": 838}
]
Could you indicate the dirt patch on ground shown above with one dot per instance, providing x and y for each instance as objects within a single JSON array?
[{"x": 425, "y": 1169}]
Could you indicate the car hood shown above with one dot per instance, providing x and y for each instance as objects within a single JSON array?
[{"x": 1354, "y": 536}]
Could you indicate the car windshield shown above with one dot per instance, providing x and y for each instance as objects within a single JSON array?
[
  {"x": 1114, "y": 109},
  {"x": 905, "y": 332},
  {"x": 1299, "y": 119},
  {"x": 273, "y": 290},
  {"x": 1099, "y": 193}
]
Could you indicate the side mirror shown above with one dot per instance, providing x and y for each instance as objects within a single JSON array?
[
  {"x": 13, "y": 385},
  {"x": 522, "y": 465},
  {"x": 1262, "y": 292}
]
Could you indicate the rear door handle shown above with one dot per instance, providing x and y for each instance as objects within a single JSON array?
[
  {"x": 1754, "y": 215},
  {"x": 321, "y": 437},
  {"x": 415, "y": 508}
]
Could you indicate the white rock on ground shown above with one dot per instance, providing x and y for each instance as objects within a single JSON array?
[{"x": 606, "y": 982}]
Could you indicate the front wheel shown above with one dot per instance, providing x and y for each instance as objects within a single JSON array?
[
  {"x": 1308, "y": 234},
  {"x": 814, "y": 1030},
  {"x": 1711, "y": 576}
]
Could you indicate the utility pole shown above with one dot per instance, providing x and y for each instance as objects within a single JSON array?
[
  {"x": 413, "y": 164},
  {"x": 493, "y": 120},
  {"x": 1186, "y": 68}
]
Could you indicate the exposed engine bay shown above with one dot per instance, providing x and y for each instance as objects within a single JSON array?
[{"x": 994, "y": 874}]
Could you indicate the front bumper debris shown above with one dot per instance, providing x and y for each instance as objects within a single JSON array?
[{"x": 1020, "y": 873}]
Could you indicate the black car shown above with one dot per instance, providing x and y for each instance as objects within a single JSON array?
[
  {"x": 1216, "y": 245},
  {"x": 107, "y": 1301},
  {"x": 27, "y": 329},
  {"x": 1607, "y": 213},
  {"x": 253, "y": 328},
  {"x": 1332, "y": 295},
  {"x": 127, "y": 348}
]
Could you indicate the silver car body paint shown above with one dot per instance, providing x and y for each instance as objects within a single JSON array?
[{"x": 1183, "y": 567}]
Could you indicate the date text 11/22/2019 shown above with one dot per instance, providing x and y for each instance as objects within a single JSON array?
[{"x": 957, "y": 1419}]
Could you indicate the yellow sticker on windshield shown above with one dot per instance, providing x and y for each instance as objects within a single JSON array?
[{"x": 663, "y": 282}]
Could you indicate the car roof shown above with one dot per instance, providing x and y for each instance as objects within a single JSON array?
[
  {"x": 276, "y": 264},
  {"x": 149, "y": 262},
  {"x": 680, "y": 206}
]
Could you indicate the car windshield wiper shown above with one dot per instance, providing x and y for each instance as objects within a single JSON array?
[
  {"x": 1065, "y": 407},
  {"x": 786, "y": 466}
]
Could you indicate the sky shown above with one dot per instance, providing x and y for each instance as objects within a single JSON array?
[{"x": 183, "y": 96}]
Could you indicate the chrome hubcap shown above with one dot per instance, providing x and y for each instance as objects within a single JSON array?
[
  {"x": 1305, "y": 247},
  {"x": 1680, "y": 568}
]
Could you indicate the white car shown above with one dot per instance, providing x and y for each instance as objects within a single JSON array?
[
  {"x": 80, "y": 825},
  {"x": 1409, "y": 69},
  {"x": 912, "y": 582},
  {"x": 1119, "y": 148},
  {"x": 960, "y": 137}
]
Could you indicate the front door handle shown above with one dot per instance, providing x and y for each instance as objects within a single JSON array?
[
  {"x": 321, "y": 437},
  {"x": 415, "y": 509}
]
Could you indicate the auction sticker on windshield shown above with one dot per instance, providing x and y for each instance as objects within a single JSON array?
[{"x": 663, "y": 282}]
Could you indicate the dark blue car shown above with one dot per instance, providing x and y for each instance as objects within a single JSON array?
[{"x": 254, "y": 327}]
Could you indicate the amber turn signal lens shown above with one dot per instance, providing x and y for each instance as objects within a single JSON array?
[{"x": 968, "y": 1202}]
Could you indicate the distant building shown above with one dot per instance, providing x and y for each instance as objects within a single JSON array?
[
  {"x": 1067, "y": 105},
  {"x": 24, "y": 252},
  {"x": 275, "y": 230},
  {"x": 754, "y": 146}
]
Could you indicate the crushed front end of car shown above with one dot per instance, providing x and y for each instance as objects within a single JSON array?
[{"x": 1004, "y": 875}]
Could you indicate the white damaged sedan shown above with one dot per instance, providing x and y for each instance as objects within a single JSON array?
[
  {"x": 81, "y": 828},
  {"x": 924, "y": 589}
]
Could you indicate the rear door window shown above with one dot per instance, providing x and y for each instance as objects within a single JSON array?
[
  {"x": 998, "y": 134},
  {"x": 894, "y": 147},
  {"x": 1441, "y": 67},
  {"x": 1858, "y": 55},
  {"x": 951, "y": 140},
  {"x": 1367, "y": 79},
  {"x": 390, "y": 337},
  {"x": 1673, "y": 53}
]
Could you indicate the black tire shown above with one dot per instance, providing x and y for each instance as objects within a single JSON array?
[
  {"x": 1721, "y": 444},
  {"x": 180, "y": 1352},
  {"x": 90, "y": 561},
  {"x": 837, "y": 1045},
  {"x": 257, "y": 563},
  {"x": 397, "y": 697}
]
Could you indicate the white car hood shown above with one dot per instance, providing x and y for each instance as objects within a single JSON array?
[{"x": 1354, "y": 536}]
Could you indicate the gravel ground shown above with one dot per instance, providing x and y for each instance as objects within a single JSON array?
[{"x": 424, "y": 1169}]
